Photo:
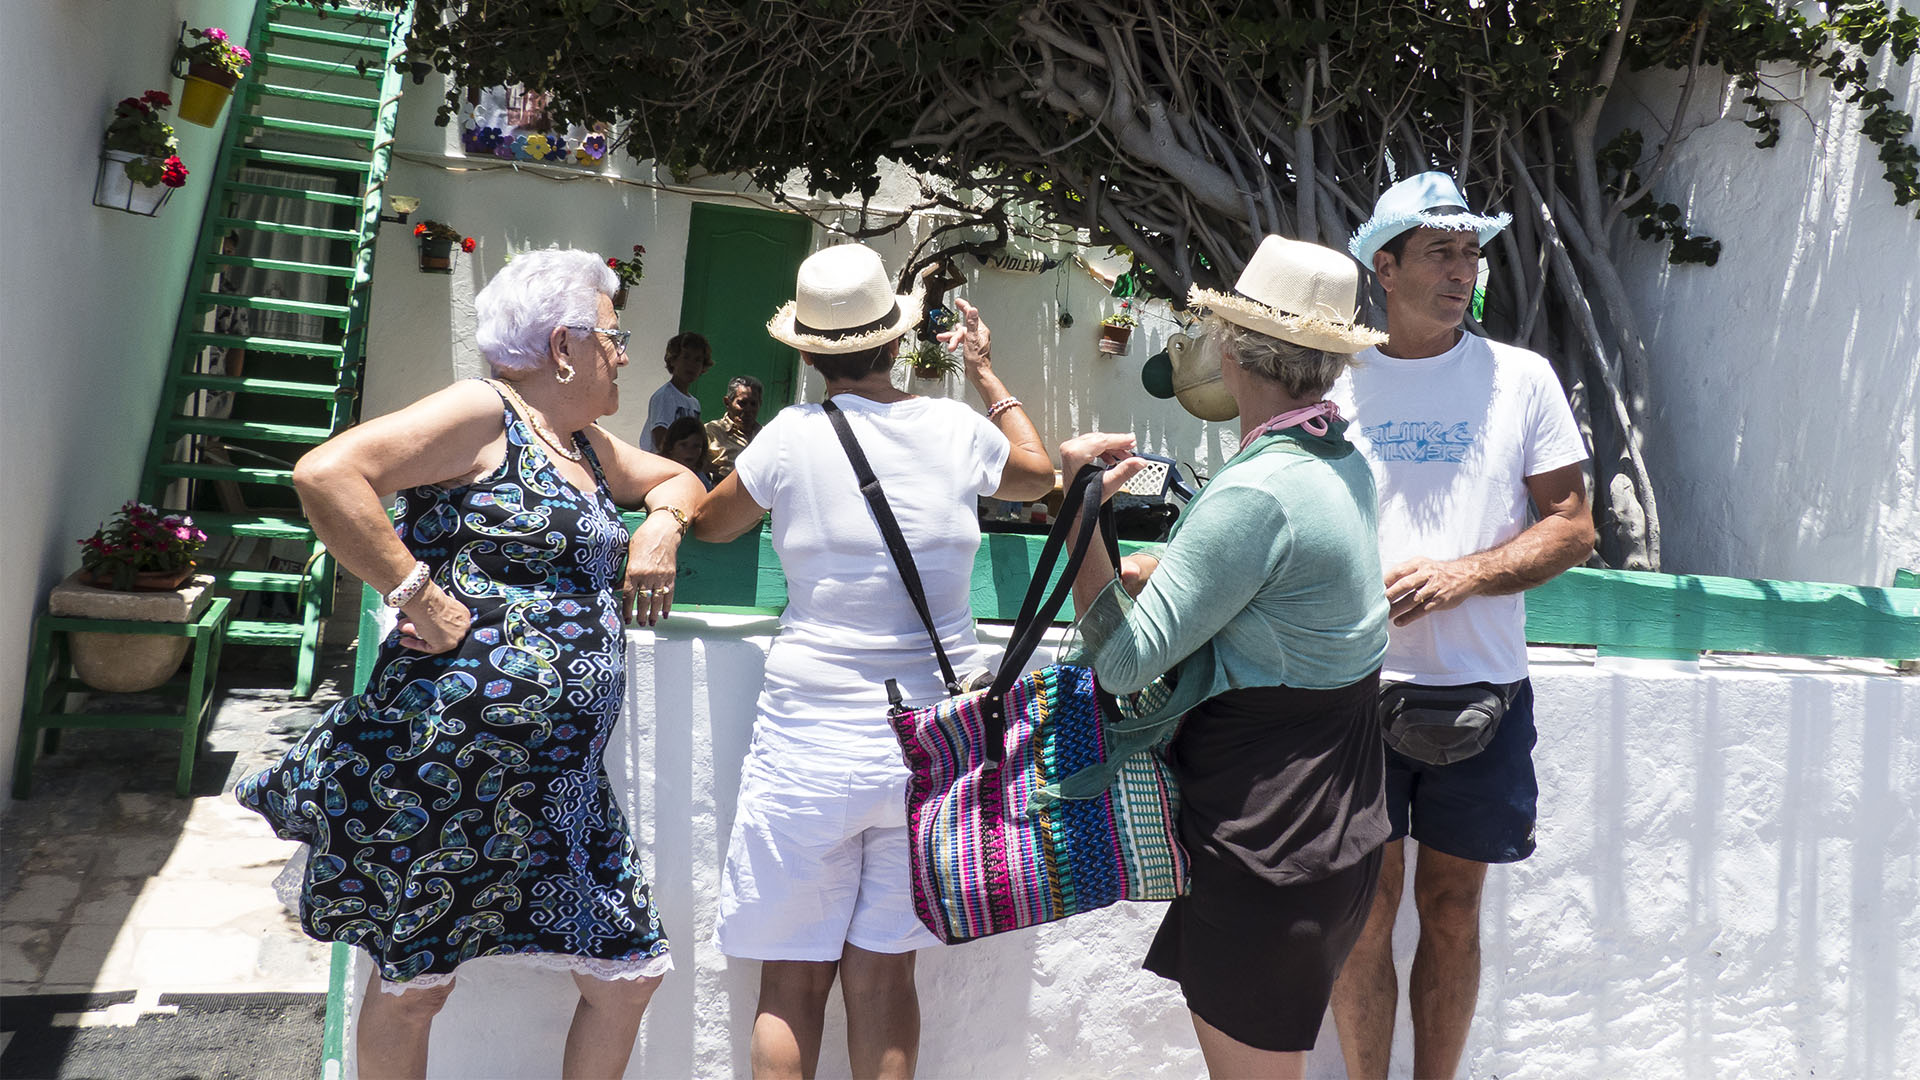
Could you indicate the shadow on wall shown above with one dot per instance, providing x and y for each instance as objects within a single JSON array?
[
  {"x": 1730, "y": 906},
  {"x": 1786, "y": 379}
]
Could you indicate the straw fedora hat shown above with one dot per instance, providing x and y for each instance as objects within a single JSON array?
[
  {"x": 1430, "y": 199},
  {"x": 1196, "y": 379},
  {"x": 1297, "y": 292},
  {"x": 843, "y": 303}
]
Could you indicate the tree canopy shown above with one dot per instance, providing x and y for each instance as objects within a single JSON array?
[{"x": 1185, "y": 130}]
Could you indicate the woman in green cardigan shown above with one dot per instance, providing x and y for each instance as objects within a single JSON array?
[{"x": 1265, "y": 610}]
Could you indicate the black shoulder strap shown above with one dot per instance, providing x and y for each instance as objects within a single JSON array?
[{"x": 890, "y": 532}]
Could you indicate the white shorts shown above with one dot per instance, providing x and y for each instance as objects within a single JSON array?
[{"x": 818, "y": 860}]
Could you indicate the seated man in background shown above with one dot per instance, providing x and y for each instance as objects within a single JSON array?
[{"x": 730, "y": 434}]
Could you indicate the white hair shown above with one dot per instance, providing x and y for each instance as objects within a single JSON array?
[{"x": 533, "y": 295}]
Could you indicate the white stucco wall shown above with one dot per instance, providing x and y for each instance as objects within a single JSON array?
[
  {"x": 1728, "y": 884},
  {"x": 1784, "y": 434},
  {"x": 88, "y": 297}
]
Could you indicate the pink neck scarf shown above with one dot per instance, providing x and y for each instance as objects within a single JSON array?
[{"x": 1312, "y": 418}]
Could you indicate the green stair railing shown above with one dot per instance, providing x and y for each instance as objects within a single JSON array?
[{"x": 238, "y": 408}]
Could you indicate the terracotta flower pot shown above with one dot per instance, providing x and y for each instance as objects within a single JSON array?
[
  {"x": 144, "y": 581},
  {"x": 205, "y": 93},
  {"x": 115, "y": 190},
  {"x": 129, "y": 663},
  {"x": 436, "y": 255},
  {"x": 1113, "y": 339}
]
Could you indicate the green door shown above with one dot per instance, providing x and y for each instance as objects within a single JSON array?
[{"x": 740, "y": 269}]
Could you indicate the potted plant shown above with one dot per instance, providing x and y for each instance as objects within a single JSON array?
[
  {"x": 931, "y": 360},
  {"x": 213, "y": 64},
  {"x": 138, "y": 166},
  {"x": 630, "y": 271},
  {"x": 436, "y": 246},
  {"x": 1117, "y": 328},
  {"x": 137, "y": 567}
]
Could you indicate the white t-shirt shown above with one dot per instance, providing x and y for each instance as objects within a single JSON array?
[
  {"x": 849, "y": 625},
  {"x": 1452, "y": 439},
  {"x": 669, "y": 403}
]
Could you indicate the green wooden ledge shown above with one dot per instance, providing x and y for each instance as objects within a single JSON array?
[{"x": 1619, "y": 612}]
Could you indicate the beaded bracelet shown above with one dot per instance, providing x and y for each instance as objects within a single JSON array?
[
  {"x": 994, "y": 410},
  {"x": 409, "y": 586}
]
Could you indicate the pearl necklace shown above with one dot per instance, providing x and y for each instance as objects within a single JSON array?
[{"x": 547, "y": 434}]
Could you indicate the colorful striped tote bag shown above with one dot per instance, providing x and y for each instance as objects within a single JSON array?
[{"x": 1039, "y": 797}]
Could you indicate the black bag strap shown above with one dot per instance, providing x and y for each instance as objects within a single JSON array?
[
  {"x": 1083, "y": 510},
  {"x": 890, "y": 532}
]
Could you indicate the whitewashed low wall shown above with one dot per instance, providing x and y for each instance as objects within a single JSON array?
[{"x": 1728, "y": 884}]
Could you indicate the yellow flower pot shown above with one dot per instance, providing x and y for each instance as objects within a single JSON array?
[{"x": 205, "y": 94}]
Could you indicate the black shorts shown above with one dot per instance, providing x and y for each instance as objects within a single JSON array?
[{"x": 1257, "y": 960}]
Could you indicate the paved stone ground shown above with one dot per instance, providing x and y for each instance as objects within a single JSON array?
[{"x": 109, "y": 884}]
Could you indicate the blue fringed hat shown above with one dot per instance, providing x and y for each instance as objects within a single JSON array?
[{"x": 1430, "y": 199}]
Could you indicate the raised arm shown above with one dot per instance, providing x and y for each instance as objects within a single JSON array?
[{"x": 1028, "y": 473}]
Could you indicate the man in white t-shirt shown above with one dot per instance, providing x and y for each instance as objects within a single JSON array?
[{"x": 1461, "y": 432}]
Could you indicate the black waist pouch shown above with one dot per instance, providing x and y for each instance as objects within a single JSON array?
[{"x": 1441, "y": 724}]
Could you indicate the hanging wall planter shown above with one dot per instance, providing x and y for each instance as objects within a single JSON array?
[
  {"x": 138, "y": 166},
  {"x": 1114, "y": 339},
  {"x": 629, "y": 271},
  {"x": 115, "y": 190},
  {"x": 437, "y": 239},
  {"x": 213, "y": 64},
  {"x": 205, "y": 93}
]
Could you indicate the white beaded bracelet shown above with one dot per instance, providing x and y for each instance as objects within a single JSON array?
[
  {"x": 409, "y": 586},
  {"x": 1003, "y": 405}
]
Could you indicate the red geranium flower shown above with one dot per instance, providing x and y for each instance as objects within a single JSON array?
[
  {"x": 174, "y": 172},
  {"x": 420, "y": 229},
  {"x": 466, "y": 244},
  {"x": 614, "y": 263},
  {"x": 157, "y": 97}
]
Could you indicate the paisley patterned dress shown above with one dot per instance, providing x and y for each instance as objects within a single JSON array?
[{"x": 459, "y": 807}]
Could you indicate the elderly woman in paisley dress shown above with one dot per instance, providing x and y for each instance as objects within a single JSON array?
[{"x": 459, "y": 807}]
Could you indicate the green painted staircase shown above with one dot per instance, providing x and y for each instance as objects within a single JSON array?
[{"x": 318, "y": 104}]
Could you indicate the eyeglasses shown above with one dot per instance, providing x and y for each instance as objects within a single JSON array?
[{"x": 620, "y": 337}]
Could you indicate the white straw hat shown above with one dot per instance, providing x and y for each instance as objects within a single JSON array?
[
  {"x": 1297, "y": 292},
  {"x": 843, "y": 303},
  {"x": 1430, "y": 199}
]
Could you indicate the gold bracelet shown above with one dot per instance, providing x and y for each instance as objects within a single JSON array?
[{"x": 677, "y": 514}]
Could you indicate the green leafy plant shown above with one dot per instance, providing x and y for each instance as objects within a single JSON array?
[
  {"x": 139, "y": 540},
  {"x": 931, "y": 360},
  {"x": 440, "y": 230},
  {"x": 214, "y": 49},
  {"x": 1124, "y": 317},
  {"x": 139, "y": 126},
  {"x": 631, "y": 270}
]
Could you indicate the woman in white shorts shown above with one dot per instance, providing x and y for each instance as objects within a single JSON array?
[{"x": 816, "y": 882}]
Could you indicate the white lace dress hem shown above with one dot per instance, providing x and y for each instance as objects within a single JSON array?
[{"x": 651, "y": 967}]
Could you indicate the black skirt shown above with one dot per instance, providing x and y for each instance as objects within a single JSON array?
[
  {"x": 1258, "y": 960},
  {"x": 1283, "y": 813}
]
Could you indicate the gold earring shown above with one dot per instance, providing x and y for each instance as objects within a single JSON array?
[{"x": 566, "y": 372}]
